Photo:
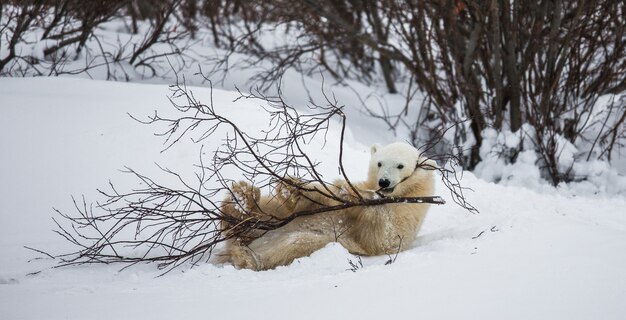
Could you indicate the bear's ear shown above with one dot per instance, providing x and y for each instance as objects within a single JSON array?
[
  {"x": 374, "y": 148},
  {"x": 427, "y": 164}
]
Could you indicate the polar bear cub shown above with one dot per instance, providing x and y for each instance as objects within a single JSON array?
[{"x": 395, "y": 170}]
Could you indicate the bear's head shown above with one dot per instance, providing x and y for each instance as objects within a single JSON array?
[{"x": 399, "y": 170}]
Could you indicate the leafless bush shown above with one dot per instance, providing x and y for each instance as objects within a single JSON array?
[
  {"x": 65, "y": 27},
  {"x": 15, "y": 22},
  {"x": 498, "y": 64},
  {"x": 173, "y": 225}
]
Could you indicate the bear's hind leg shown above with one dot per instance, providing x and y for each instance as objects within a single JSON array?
[{"x": 279, "y": 248}]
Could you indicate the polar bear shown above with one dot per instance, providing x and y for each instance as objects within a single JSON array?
[{"x": 395, "y": 170}]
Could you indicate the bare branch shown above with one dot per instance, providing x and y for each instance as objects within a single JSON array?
[{"x": 184, "y": 224}]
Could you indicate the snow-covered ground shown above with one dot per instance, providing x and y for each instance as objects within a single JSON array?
[{"x": 539, "y": 253}]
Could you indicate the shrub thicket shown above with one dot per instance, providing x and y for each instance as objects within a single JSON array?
[{"x": 497, "y": 63}]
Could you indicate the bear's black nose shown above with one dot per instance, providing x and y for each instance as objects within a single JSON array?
[{"x": 383, "y": 183}]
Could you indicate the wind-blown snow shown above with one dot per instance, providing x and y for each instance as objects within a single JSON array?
[{"x": 539, "y": 253}]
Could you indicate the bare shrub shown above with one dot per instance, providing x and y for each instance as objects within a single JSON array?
[
  {"x": 65, "y": 26},
  {"x": 496, "y": 64}
]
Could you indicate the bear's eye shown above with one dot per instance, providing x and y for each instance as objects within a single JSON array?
[
  {"x": 379, "y": 164},
  {"x": 400, "y": 166}
]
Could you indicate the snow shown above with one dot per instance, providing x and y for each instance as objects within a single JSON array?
[
  {"x": 524, "y": 172},
  {"x": 533, "y": 252}
]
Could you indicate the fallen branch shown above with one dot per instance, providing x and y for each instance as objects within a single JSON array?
[{"x": 175, "y": 225}]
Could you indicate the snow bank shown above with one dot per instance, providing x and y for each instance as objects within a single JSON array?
[{"x": 590, "y": 176}]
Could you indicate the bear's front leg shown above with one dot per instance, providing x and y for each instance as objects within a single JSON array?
[
  {"x": 299, "y": 196},
  {"x": 288, "y": 193},
  {"x": 354, "y": 193}
]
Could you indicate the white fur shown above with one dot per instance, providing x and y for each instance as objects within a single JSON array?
[
  {"x": 363, "y": 230},
  {"x": 392, "y": 156}
]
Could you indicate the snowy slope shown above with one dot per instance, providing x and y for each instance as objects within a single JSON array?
[{"x": 549, "y": 254}]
